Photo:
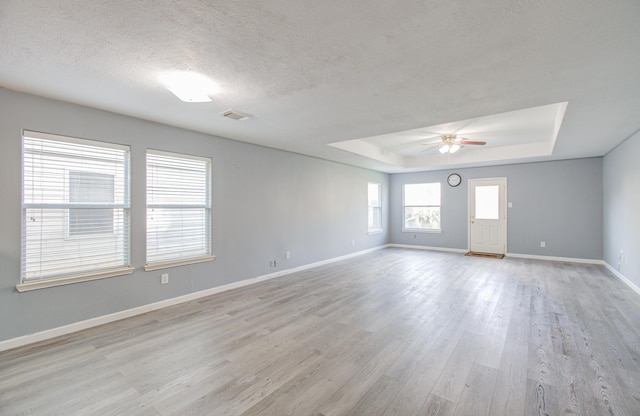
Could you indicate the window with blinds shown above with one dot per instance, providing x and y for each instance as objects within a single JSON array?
[
  {"x": 75, "y": 208},
  {"x": 374, "y": 191},
  {"x": 178, "y": 209}
]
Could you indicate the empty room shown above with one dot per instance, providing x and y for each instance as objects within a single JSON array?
[{"x": 319, "y": 208}]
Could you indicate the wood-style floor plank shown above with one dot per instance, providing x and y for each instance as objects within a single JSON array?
[
  {"x": 475, "y": 399},
  {"x": 394, "y": 332}
]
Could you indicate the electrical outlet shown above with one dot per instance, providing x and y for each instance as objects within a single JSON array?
[
  {"x": 164, "y": 278},
  {"x": 353, "y": 243},
  {"x": 275, "y": 263},
  {"x": 543, "y": 244},
  {"x": 287, "y": 255}
]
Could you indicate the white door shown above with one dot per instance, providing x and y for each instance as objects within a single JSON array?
[{"x": 487, "y": 215}]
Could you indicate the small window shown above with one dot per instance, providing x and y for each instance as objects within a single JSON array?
[
  {"x": 178, "y": 209},
  {"x": 375, "y": 207},
  {"x": 75, "y": 210},
  {"x": 421, "y": 207}
]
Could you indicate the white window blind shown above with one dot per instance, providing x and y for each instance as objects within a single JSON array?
[
  {"x": 75, "y": 207},
  {"x": 178, "y": 209}
]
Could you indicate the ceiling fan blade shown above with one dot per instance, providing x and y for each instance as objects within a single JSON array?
[{"x": 471, "y": 142}]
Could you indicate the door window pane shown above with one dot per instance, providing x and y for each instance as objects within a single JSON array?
[{"x": 487, "y": 202}]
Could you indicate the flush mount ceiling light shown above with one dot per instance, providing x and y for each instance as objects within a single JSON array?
[{"x": 189, "y": 87}]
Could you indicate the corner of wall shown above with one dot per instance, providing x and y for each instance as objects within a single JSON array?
[{"x": 622, "y": 277}]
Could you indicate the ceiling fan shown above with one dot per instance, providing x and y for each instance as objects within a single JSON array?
[{"x": 450, "y": 143}]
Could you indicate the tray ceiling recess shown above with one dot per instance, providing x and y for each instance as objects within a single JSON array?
[{"x": 515, "y": 136}]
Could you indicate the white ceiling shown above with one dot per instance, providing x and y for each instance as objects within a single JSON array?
[{"x": 316, "y": 73}]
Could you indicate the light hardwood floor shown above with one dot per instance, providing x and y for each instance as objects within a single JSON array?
[{"x": 394, "y": 332}]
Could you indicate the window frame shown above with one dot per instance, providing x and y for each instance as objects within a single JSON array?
[
  {"x": 179, "y": 261},
  {"x": 439, "y": 206},
  {"x": 79, "y": 275},
  {"x": 370, "y": 208}
]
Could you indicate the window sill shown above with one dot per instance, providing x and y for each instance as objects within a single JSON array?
[
  {"x": 77, "y": 278},
  {"x": 174, "y": 263},
  {"x": 419, "y": 230},
  {"x": 380, "y": 231}
]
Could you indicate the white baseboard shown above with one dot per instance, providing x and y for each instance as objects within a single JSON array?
[
  {"x": 622, "y": 277},
  {"x": 452, "y": 250},
  {"x": 116, "y": 316},
  {"x": 551, "y": 258},
  {"x": 515, "y": 255}
]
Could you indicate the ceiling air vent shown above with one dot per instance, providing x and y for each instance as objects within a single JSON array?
[{"x": 235, "y": 115}]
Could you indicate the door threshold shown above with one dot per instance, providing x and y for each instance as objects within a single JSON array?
[{"x": 486, "y": 255}]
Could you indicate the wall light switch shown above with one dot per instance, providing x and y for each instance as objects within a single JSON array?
[{"x": 510, "y": 204}]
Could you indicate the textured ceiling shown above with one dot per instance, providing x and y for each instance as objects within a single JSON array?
[{"x": 315, "y": 73}]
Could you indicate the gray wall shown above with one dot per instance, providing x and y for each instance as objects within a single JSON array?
[
  {"x": 621, "y": 180},
  {"x": 557, "y": 202},
  {"x": 265, "y": 202}
]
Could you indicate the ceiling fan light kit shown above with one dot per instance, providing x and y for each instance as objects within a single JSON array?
[{"x": 449, "y": 148}]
